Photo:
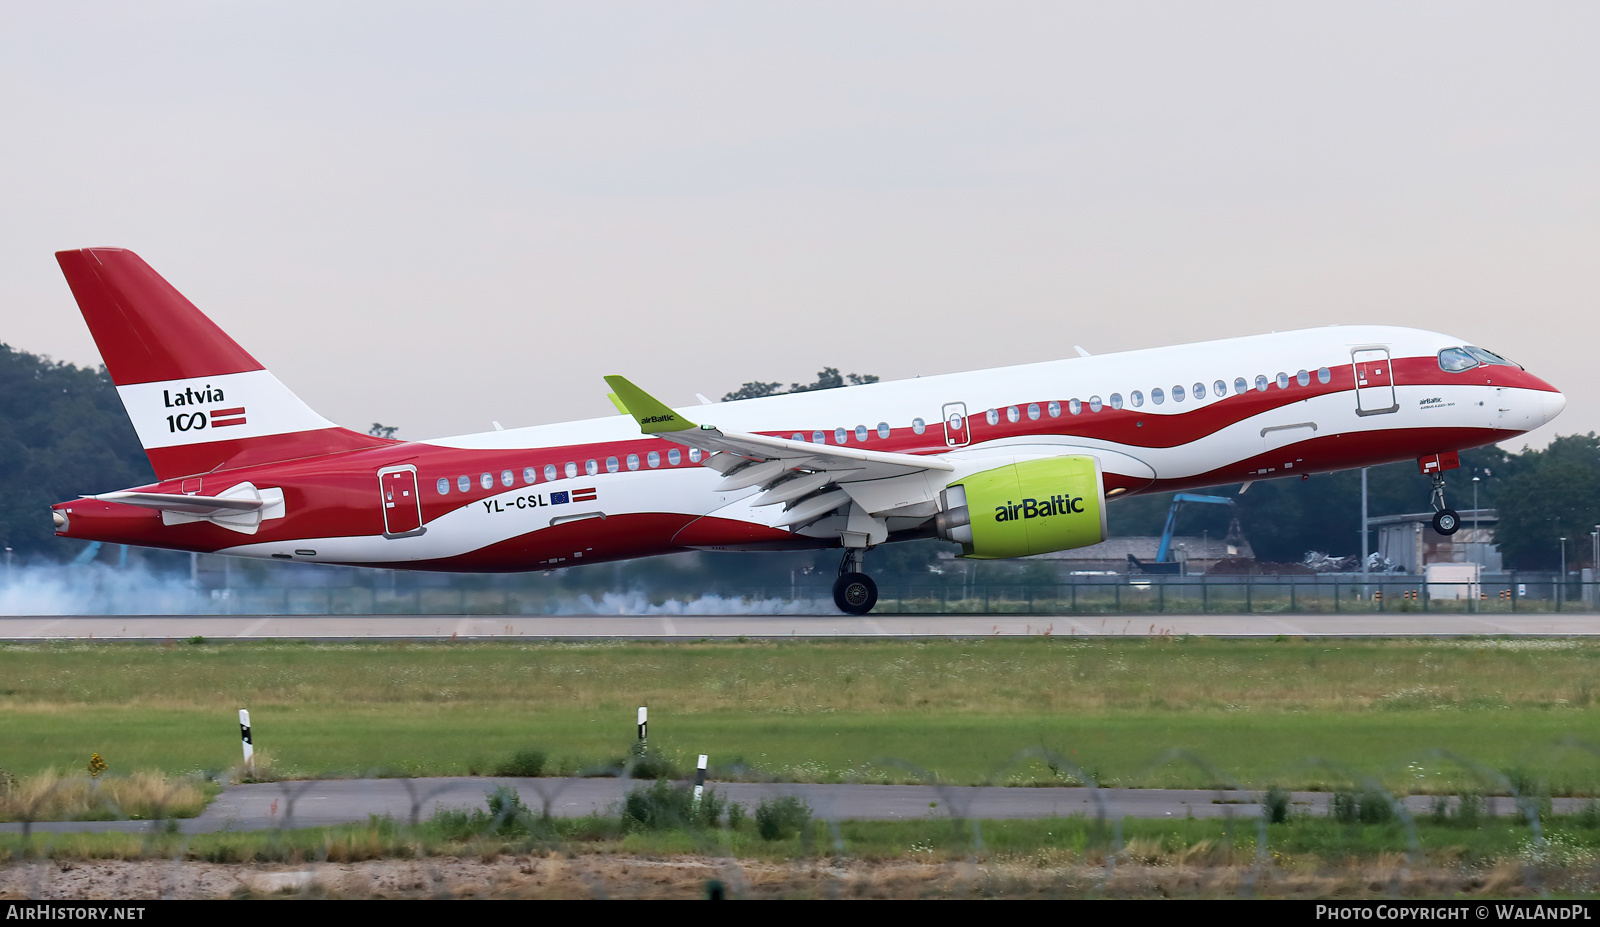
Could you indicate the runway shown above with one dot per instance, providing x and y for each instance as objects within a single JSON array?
[
  {"x": 325, "y": 802},
  {"x": 781, "y": 627}
]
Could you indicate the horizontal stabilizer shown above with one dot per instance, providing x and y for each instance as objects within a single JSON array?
[
  {"x": 178, "y": 502},
  {"x": 241, "y": 507}
]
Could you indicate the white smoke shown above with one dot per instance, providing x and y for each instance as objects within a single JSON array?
[
  {"x": 637, "y": 603},
  {"x": 103, "y": 589},
  {"x": 97, "y": 589}
]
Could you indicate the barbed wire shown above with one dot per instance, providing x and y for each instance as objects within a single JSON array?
[{"x": 506, "y": 846}]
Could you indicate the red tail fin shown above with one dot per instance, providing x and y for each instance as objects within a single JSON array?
[{"x": 197, "y": 400}]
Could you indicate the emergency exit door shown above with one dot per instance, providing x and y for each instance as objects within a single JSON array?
[
  {"x": 402, "y": 505},
  {"x": 957, "y": 432}
]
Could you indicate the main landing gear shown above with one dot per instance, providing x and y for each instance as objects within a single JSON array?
[
  {"x": 1445, "y": 519},
  {"x": 854, "y": 591}
]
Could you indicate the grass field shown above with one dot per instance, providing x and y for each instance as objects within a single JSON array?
[{"x": 1420, "y": 716}]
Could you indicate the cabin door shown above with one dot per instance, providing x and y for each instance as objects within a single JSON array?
[
  {"x": 1374, "y": 381},
  {"x": 402, "y": 505}
]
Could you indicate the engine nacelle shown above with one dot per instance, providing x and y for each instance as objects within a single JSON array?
[{"x": 1031, "y": 507}]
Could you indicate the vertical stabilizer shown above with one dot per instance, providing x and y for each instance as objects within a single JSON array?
[{"x": 198, "y": 401}]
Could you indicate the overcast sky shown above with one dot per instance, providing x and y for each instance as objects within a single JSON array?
[{"x": 435, "y": 215}]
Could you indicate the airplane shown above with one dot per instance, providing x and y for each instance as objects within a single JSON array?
[{"x": 1007, "y": 462}]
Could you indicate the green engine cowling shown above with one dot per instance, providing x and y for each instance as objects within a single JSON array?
[{"x": 1031, "y": 507}]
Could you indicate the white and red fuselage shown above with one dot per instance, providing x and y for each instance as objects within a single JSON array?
[{"x": 217, "y": 425}]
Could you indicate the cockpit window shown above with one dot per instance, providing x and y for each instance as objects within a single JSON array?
[
  {"x": 1489, "y": 357},
  {"x": 1455, "y": 360}
]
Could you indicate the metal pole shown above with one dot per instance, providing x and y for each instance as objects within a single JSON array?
[
  {"x": 1561, "y": 587},
  {"x": 1364, "y": 526}
]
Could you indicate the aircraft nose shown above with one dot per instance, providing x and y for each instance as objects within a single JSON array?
[{"x": 1550, "y": 405}]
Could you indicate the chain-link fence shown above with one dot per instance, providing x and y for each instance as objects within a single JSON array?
[{"x": 915, "y": 594}]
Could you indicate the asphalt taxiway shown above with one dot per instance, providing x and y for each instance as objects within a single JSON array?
[{"x": 324, "y": 802}]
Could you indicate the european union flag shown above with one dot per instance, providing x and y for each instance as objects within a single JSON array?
[{"x": 558, "y": 498}]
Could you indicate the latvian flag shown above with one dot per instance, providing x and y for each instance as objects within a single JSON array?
[
  {"x": 583, "y": 495},
  {"x": 221, "y": 417}
]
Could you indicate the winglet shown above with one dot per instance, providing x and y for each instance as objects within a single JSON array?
[
  {"x": 651, "y": 414},
  {"x": 617, "y": 402}
]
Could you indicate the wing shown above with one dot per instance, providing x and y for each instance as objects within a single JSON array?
[{"x": 812, "y": 481}]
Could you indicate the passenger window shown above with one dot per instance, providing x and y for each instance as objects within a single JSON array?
[
  {"x": 653, "y": 459},
  {"x": 992, "y": 416},
  {"x": 1054, "y": 408},
  {"x": 633, "y": 461},
  {"x": 1094, "y": 403},
  {"x": 611, "y": 465},
  {"x": 1033, "y": 411},
  {"x": 883, "y": 430},
  {"x": 840, "y": 436},
  {"x": 694, "y": 455},
  {"x": 918, "y": 425},
  {"x": 1012, "y": 415},
  {"x": 1283, "y": 380},
  {"x": 673, "y": 456},
  {"x": 1455, "y": 360},
  {"x": 1303, "y": 378},
  {"x": 530, "y": 475},
  {"x": 549, "y": 472},
  {"x": 486, "y": 481},
  {"x": 1157, "y": 396},
  {"x": 1199, "y": 391},
  {"x": 571, "y": 470},
  {"x": 1074, "y": 406},
  {"x": 590, "y": 467},
  {"x": 463, "y": 482},
  {"x": 1261, "y": 382},
  {"x": 861, "y": 434},
  {"x": 1178, "y": 394},
  {"x": 1220, "y": 388},
  {"x": 818, "y": 437},
  {"x": 1241, "y": 386},
  {"x": 797, "y": 436},
  {"x": 506, "y": 479},
  {"x": 1324, "y": 375},
  {"x": 1137, "y": 398},
  {"x": 1116, "y": 400},
  {"x": 443, "y": 486}
]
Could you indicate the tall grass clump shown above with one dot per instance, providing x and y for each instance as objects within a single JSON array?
[
  {"x": 504, "y": 815},
  {"x": 1369, "y": 806},
  {"x": 662, "y": 805},
  {"x": 141, "y": 796},
  {"x": 524, "y": 764},
  {"x": 777, "y": 818},
  {"x": 1275, "y": 805}
]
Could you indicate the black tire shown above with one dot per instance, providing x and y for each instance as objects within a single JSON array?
[
  {"x": 855, "y": 593},
  {"x": 1446, "y": 522}
]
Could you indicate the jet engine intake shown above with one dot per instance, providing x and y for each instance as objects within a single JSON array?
[{"x": 1030, "y": 507}]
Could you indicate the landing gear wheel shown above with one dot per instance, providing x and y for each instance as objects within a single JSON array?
[
  {"x": 1446, "y": 522},
  {"x": 855, "y": 593}
]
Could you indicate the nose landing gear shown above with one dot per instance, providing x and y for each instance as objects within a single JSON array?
[
  {"x": 854, "y": 591},
  {"x": 1445, "y": 519}
]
